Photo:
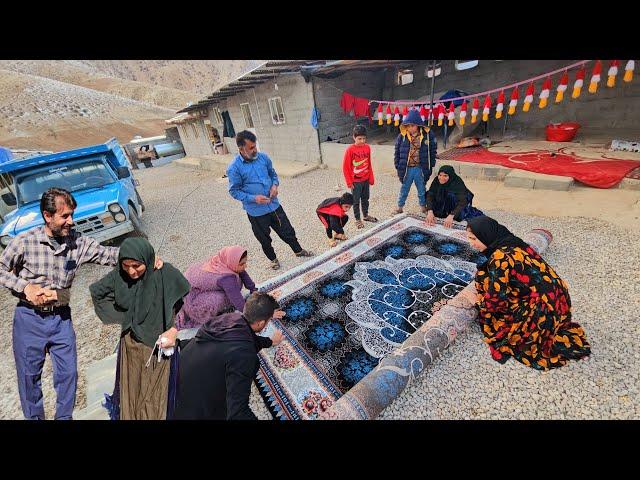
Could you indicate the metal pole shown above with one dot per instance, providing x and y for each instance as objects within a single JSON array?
[
  {"x": 445, "y": 134},
  {"x": 504, "y": 125},
  {"x": 433, "y": 82}
]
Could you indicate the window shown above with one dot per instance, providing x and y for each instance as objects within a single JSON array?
[
  {"x": 465, "y": 64},
  {"x": 92, "y": 173},
  {"x": 217, "y": 116},
  {"x": 432, "y": 71},
  {"x": 404, "y": 77},
  {"x": 277, "y": 112},
  {"x": 246, "y": 114}
]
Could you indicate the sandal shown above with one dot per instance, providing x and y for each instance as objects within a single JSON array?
[
  {"x": 333, "y": 242},
  {"x": 371, "y": 219},
  {"x": 359, "y": 224},
  {"x": 340, "y": 236}
]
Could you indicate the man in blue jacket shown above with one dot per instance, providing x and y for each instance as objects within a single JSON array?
[
  {"x": 254, "y": 182},
  {"x": 415, "y": 157}
]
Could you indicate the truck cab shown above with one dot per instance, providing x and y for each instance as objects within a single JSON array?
[{"x": 99, "y": 177}]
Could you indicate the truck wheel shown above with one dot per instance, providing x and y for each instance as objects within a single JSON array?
[
  {"x": 140, "y": 200},
  {"x": 137, "y": 225}
]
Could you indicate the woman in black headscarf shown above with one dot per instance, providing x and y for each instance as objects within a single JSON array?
[
  {"x": 144, "y": 302},
  {"x": 449, "y": 198},
  {"x": 524, "y": 307}
]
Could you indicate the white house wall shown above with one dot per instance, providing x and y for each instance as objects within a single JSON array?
[
  {"x": 195, "y": 146},
  {"x": 295, "y": 140}
]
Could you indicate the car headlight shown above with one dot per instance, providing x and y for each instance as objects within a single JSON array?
[
  {"x": 115, "y": 208},
  {"x": 4, "y": 240},
  {"x": 120, "y": 217}
]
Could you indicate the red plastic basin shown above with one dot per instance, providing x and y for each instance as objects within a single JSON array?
[{"x": 561, "y": 132}]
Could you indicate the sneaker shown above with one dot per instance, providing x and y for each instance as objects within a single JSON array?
[
  {"x": 304, "y": 253},
  {"x": 359, "y": 224},
  {"x": 397, "y": 211},
  {"x": 369, "y": 218},
  {"x": 275, "y": 264}
]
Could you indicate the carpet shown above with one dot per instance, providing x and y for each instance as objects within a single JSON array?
[
  {"x": 589, "y": 166},
  {"x": 351, "y": 309}
]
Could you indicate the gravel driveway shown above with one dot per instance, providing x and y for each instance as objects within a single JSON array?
[{"x": 599, "y": 261}]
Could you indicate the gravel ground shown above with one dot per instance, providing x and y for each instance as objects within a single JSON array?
[{"x": 190, "y": 216}]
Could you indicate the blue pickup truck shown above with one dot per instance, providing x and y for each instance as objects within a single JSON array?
[{"x": 99, "y": 177}]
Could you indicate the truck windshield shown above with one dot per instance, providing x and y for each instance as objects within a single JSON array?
[{"x": 73, "y": 177}]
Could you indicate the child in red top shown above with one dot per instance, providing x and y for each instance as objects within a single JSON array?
[
  {"x": 332, "y": 212},
  {"x": 358, "y": 173}
]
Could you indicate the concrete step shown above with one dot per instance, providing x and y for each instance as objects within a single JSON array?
[
  {"x": 99, "y": 366},
  {"x": 188, "y": 162},
  {"x": 537, "y": 181},
  {"x": 93, "y": 411},
  {"x": 96, "y": 389}
]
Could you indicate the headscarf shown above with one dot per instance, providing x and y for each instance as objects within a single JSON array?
[
  {"x": 227, "y": 327},
  {"x": 146, "y": 304},
  {"x": 454, "y": 185},
  {"x": 225, "y": 261},
  {"x": 493, "y": 234}
]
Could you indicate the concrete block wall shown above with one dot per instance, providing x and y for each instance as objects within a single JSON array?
[
  {"x": 334, "y": 122},
  {"x": 612, "y": 109},
  {"x": 196, "y": 144},
  {"x": 381, "y": 156},
  {"x": 295, "y": 140}
]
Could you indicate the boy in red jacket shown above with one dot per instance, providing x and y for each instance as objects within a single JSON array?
[
  {"x": 358, "y": 173},
  {"x": 332, "y": 212}
]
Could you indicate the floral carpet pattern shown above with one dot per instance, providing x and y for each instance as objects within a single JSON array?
[{"x": 349, "y": 308}]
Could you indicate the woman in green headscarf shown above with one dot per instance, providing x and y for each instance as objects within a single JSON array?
[
  {"x": 145, "y": 302},
  {"x": 449, "y": 198}
]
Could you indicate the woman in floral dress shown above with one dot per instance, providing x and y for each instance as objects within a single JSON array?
[{"x": 524, "y": 306}]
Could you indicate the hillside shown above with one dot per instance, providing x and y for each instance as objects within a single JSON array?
[{"x": 55, "y": 105}]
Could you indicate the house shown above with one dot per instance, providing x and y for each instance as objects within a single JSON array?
[{"x": 276, "y": 101}]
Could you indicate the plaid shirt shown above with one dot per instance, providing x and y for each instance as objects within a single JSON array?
[{"x": 31, "y": 258}]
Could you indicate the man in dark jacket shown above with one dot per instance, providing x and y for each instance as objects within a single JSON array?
[
  {"x": 414, "y": 158},
  {"x": 219, "y": 364}
]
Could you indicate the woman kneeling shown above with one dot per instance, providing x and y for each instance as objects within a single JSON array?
[
  {"x": 524, "y": 307},
  {"x": 449, "y": 198}
]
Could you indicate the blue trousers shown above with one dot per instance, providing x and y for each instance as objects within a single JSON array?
[
  {"x": 34, "y": 334},
  {"x": 413, "y": 175}
]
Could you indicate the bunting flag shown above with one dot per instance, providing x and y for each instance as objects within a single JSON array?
[
  {"x": 451, "y": 114},
  {"x": 528, "y": 99},
  {"x": 486, "y": 108},
  {"x": 440, "y": 110},
  {"x": 544, "y": 94},
  {"x": 440, "y": 114},
  {"x": 628, "y": 70},
  {"x": 577, "y": 86},
  {"x": 463, "y": 112},
  {"x": 474, "y": 110},
  {"x": 500, "y": 105},
  {"x": 562, "y": 87},
  {"x": 595, "y": 77},
  {"x": 513, "y": 103},
  {"x": 612, "y": 73},
  {"x": 423, "y": 113}
]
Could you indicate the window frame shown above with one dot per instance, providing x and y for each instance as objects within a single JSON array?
[
  {"x": 244, "y": 115},
  {"x": 273, "y": 102},
  {"x": 217, "y": 116}
]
